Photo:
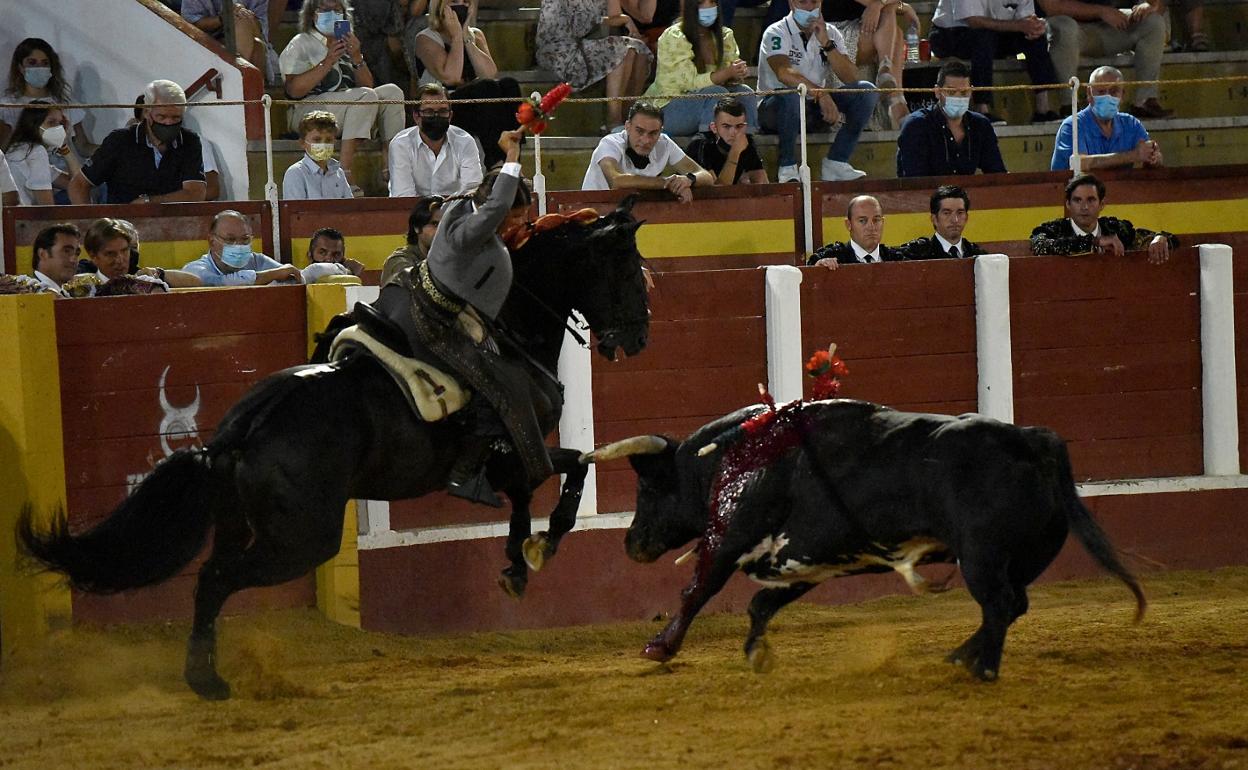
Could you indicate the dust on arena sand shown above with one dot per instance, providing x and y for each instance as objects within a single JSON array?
[{"x": 860, "y": 686}]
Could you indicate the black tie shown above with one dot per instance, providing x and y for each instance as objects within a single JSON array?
[{"x": 953, "y": 252}]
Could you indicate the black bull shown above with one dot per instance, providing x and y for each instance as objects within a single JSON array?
[{"x": 869, "y": 489}]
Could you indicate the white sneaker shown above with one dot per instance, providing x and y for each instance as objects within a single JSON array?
[
  {"x": 788, "y": 174},
  {"x": 838, "y": 171}
]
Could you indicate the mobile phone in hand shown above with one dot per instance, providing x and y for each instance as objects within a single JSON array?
[{"x": 342, "y": 28}]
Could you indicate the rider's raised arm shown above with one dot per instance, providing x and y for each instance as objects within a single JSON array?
[{"x": 472, "y": 230}]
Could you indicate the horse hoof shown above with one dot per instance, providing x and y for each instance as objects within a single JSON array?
[
  {"x": 762, "y": 660},
  {"x": 535, "y": 549},
  {"x": 985, "y": 674},
  {"x": 511, "y": 585},
  {"x": 210, "y": 687},
  {"x": 658, "y": 652}
]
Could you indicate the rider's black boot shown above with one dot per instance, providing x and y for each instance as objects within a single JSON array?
[{"x": 467, "y": 477}]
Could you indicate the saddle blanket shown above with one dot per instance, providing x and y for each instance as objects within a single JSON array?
[{"x": 431, "y": 392}]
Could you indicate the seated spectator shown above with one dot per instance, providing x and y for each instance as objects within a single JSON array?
[
  {"x": 1085, "y": 231},
  {"x": 946, "y": 138},
  {"x": 803, "y": 48},
  {"x": 317, "y": 67},
  {"x": 864, "y": 220},
  {"x": 327, "y": 255},
  {"x": 1098, "y": 28},
  {"x": 112, "y": 247},
  {"x": 565, "y": 47},
  {"x": 1194, "y": 39},
  {"x": 415, "y": 17},
  {"x": 251, "y": 29},
  {"x": 433, "y": 157},
  {"x": 636, "y": 158},
  {"x": 652, "y": 18},
  {"x": 875, "y": 35},
  {"x": 8, "y": 188},
  {"x": 422, "y": 225},
  {"x": 984, "y": 30},
  {"x": 458, "y": 57},
  {"x": 212, "y": 176},
  {"x": 35, "y": 72},
  {"x": 55, "y": 255},
  {"x": 317, "y": 175},
  {"x": 1107, "y": 138},
  {"x": 230, "y": 260},
  {"x": 378, "y": 24},
  {"x": 158, "y": 161},
  {"x": 950, "y": 209},
  {"x": 699, "y": 55},
  {"x": 727, "y": 150},
  {"x": 39, "y": 131}
]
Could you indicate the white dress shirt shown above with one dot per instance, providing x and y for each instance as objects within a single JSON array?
[
  {"x": 954, "y": 13},
  {"x": 416, "y": 170},
  {"x": 1096, "y": 231},
  {"x": 946, "y": 245},
  {"x": 864, "y": 255}
]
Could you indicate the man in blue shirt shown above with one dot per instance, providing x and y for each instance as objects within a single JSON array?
[
  {"x": 1107, "y": 137},
  {"x": 230, "y": 260}
]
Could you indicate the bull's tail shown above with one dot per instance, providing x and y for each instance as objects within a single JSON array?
[
  {"x": 1090, "y": 534},
  {"x": 154, "y": 533}
]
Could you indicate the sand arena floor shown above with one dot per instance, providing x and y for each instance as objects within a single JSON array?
[{"x": 856, "y": 686}]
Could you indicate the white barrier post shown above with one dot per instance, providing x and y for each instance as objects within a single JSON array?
[
  {"x": 1217, "y": 360},
  {"x": 994, "y": 351},
  {"x": 1076, "y": 163},
  {"x": 270, "y": 185},
  {"x": 539, "y": 178},
  {"x": 576, "y": 424},
  {"x": 784, "y": 331},
  {"x": 804, "y": 173}
]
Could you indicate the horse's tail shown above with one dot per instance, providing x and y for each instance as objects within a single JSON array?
[{"x": 154, "y": 533}]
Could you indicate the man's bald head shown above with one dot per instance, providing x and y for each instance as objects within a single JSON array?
[{"x": 864, "y": 219}]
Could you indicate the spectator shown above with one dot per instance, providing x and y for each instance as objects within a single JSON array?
[
  {"x": 422, "y": 225},
  {"x": 327, "y": 255},
  {"x": 803, "y": 48},
  {"x": 947, "y": 138},
  {"x": 112, "y": 247},
  {"x": 8, "y": 187},
  {"x": 699, "y": 55},
  {"x": 874, "y": 35},
  {"x": 636, "y": 158},
  {"x": 1084, "y": 230},
  {"x": 1097, "y": 28},
  {"x": 652, "y": 18},
  {"x": 55, "y": 255},
  {"x": 564, "y": 47},
  {"x": 727, "y": 150},
  {"x": 1107, "y": 137},
  {"x": 458, "y": 56},
  {"x": 317, "y": 175},
  {"x": 251, "y": 29},
  {"x": 950, "y": 209},
  {"x": 230, "y": 260},
  {"x": 864, "y": 220},
  {"x": 415, "y": 19},
  {"x": 35, "y": 72},
  {"x": 39, "y": 131},
  {"x": 378, "y": 24},
  {"x": 212, "y": 176},
  {"x": 433, "y": 157},
  {"x": 1193, "y": 15},
  {"x": 158, "y": 161},
  {"x": 318, "y": 66},
  {"x": 984, "y": 30}
]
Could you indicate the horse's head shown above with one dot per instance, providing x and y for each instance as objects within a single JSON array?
[{"x": 615, "y": 300}]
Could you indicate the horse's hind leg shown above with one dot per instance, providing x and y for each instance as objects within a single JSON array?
[
  {"x": 542, "y": 546},
  {"x": 515, "y": 577}
]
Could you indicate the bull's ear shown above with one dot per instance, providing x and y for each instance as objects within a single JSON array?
[{"x": 658, "y": 468}]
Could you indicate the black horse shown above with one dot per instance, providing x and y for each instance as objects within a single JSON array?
[{"x": 273, "y": 481}]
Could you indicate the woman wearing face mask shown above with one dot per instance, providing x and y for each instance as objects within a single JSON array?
[
  {"x": 40, "y": 131},
  {"x": 456, "y": 55},
  {"x": 35, "y": 73},
  {"x": 699, "y": 55},
  {"x": 323, "y": 62}
]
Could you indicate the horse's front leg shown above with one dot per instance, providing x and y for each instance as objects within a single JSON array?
[
  {"x": 542, "y": 546},
  {"x": 515, "y": 576}
]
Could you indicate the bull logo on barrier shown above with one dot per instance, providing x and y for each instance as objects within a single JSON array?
[{"x": 178, "y": 428}]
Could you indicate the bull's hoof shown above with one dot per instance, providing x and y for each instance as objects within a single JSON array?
[
  {"x": 762, "y": 659},
  {"x": 658, "y": 652},
  {"x": 208, "y": 685},
  {"x": 513, "y": 585},
  {"x": 536, "y": 548}
]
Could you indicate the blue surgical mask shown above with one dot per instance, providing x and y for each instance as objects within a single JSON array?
[
  {"x": 37, "y": 77},
  {"x": 955, "y": 106},
  {"x": 1105, "y": 106},
  {"x": 325, "y": 22},
  {"x": 804, "y": 17},
  {"x": 707, "y": 16},
  {"x": 236, "y": 255}
]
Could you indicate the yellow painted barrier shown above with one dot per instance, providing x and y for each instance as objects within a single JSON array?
[
  {"x": 32, "y": 466},
  {"x": 337, "y": 580}
]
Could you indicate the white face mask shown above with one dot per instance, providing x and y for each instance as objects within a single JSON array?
[{"x": 53, "y": 136}]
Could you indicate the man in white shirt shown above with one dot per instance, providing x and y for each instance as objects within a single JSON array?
[
  {"x": 803, "y": 48},
  {"x": 55, "y": 252},
  {"x": 864, "y": 219},
  {"x": 636, "y": 158},
  {"x": 230, "y": 260},
  {"x": 433, "y": 157},
  {"x": 984, "y": 30}
]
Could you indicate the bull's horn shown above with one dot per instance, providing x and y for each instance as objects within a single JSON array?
[
  {"x": 164, "y": 400},
  {"x": 635, "y": 445}
]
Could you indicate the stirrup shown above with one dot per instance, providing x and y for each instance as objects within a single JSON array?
[{"x": 476, "y": 489}]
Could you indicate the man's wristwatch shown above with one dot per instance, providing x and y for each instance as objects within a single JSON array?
[{"x": 693, "y": 178}]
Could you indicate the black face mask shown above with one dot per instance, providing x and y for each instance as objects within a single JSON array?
[
  {"x": 435, "y": 128},
  {"x": 166, "y": 133},
  {"x": 461, "y": 12},
  {"x": 639, "y": 161}
]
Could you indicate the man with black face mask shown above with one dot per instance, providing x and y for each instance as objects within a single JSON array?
[
  {"x": 727, "y": 150},
  {"x": 157, "y": 160},
  {"x": 433, "y": 157}
]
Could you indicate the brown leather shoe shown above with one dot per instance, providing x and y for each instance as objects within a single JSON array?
[{"x": 1151, "y": 108}]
